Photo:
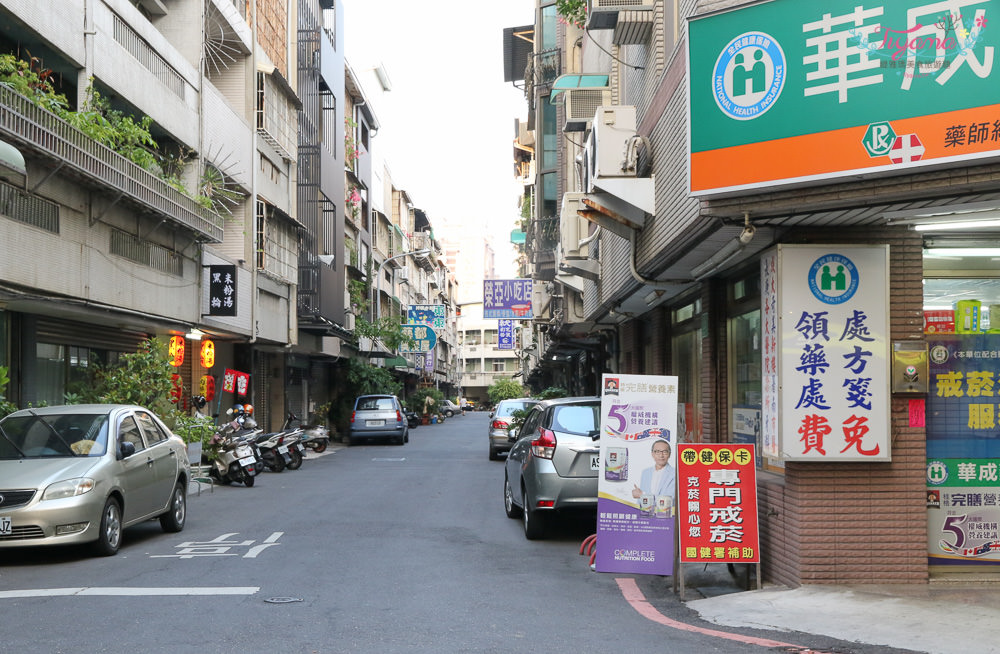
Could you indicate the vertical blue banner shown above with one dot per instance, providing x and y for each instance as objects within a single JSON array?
[{"x": 505, "y": 337}]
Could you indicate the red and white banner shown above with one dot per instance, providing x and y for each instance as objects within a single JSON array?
[{"x": 717, "y": 503}]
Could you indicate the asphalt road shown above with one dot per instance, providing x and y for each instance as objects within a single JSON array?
[{"x": 372, "y": 548}]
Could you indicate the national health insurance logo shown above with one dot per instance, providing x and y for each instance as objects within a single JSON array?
[{"x": 749, "y": 75}]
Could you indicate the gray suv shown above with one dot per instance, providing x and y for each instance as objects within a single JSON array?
[
  {"x": 554, "y": 462},
  {"x": 500, "y": 422}
]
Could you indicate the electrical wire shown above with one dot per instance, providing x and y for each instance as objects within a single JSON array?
[{"x": 601, "y": 48}]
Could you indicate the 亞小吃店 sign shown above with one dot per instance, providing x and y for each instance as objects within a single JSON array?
[
  {"x": 825, "y": 353},
  {"x": 799, "y": 92}
]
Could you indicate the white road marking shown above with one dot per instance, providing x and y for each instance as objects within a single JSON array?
[{"x": 124, "y": 591}]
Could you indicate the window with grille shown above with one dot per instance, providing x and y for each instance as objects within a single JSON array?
[
  {"x": 276, "y": 243},
  {"x": 146, "y": 253},
  {"x": 28, "y": 209}
]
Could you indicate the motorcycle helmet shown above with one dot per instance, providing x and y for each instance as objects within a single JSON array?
[
  {"x": 248, "y": 409},
  {"x": 236, "y": 409}
]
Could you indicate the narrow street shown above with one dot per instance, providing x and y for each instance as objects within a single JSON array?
[{"x": 373, "y": 548}]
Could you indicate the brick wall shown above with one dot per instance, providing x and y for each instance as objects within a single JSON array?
[
  {"x": 272, "y": 19},
  {"x": 825, "y": 523}
]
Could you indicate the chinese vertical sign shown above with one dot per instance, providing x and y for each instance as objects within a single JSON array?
[
  {"x": 785, "y": 91},
  {"x": 432, "y": 315},
  {"x": 769, "y": 442},
  {"x": 505, "y": 335},
  {"x": 637, "y": 483},
  {"x": 717, "y": 502},
  {"x": 833, "y": 353},
  {"x": 222, "y": 290},
  {"x": 507, "y": 298},
  {"x": 963, "y": 470}
]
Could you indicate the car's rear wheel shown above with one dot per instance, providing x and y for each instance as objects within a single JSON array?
[
  {"x": 173, "y": 520},
  {"x": 534, "y": 521},
  {"x": 109, "y": 538},
  {"x": 512, "y": 510},
  {"x": 494, "y": 455}
]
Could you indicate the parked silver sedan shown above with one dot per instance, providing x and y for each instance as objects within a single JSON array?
[
  {"x": 554, "y": 462},
  {"x": 501, "y": 419},
  {"x": 83, "y": 473}
]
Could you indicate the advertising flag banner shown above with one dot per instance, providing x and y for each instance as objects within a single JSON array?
[
  {"x": 432, "y": 315},
  {"x": 826, "y": 336},
  {"x": 789, "y": 92},
  {"x": 505, "y": 335},
  {"x": 717, "y": 503},
  {"x": 637, "y": 483},
  {"x": 222, "y": 290},
  {"x": 507, "y": 298}
]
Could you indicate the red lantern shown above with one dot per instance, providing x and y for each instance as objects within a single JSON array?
[
  {"x": 176, "y": 350},
  {"x": 207, "y": 387},
  {"x": 177, "y": 389},
  {"x": 207, "y": 354}
]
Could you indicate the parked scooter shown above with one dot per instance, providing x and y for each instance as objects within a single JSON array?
[
  {"x": 313, "y": 437},
  {"x": 233, "y": 458},
  {"x": 234, "y": 454},
  {"x": 412, "y": 419},
  {"x": 273, "y": 451}
]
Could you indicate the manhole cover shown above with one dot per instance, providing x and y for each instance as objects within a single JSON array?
[{"x": 282, "y": 600}]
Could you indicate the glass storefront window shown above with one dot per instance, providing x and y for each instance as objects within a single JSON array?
[
  {"x": 743, "y": 332},
  {"x": 962, "y": 409},
  {"x": 685, "y": 357}
]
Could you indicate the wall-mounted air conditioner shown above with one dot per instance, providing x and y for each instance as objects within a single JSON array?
[
  {"x": 603, "y": 14},
  {"x": 616, "y": 158},
  {"x": 581, "y": 104},
  {"x": 573, "y": 228},
  {"x": 403, "y": 275}
]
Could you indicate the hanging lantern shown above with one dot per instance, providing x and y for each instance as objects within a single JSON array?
[
  {"x": 207, "y": 354},
  {"x": 176, "y": 350},
  {"x": 206, "y": 386}
]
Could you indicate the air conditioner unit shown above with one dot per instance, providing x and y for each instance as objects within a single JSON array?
[
  {"x": 611, "y": 159},
  {"x": 572, "y": 227},
  {"x": 403, "y": 275},
  {"x": 581, "y": 105},
  {"x": 606, "y": 148},
  {"x": 603, "y": 14}
]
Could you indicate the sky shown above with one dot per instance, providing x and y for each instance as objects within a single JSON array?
[{"x": 447, "y": 126}]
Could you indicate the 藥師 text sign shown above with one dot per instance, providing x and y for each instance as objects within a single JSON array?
[
  {"x": 793, "y": 91},
  {"x": 507, "y": 298},
  {"x": 717, "y": 502}
]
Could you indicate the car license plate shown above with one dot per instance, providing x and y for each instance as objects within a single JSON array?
[
  {"x": 595, "y": 461},
  {"x": 5, "y": 527},
  {"x": 248, "y": 461},
  {"x": 375, "y": 423}
]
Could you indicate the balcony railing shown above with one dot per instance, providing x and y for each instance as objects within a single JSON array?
[{"x": 40, "y": 131}]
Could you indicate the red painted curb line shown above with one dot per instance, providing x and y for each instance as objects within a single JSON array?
[{"x": 632, "y": 594}]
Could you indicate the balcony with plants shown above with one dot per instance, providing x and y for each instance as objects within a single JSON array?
[{"x": 99, "y": 145}]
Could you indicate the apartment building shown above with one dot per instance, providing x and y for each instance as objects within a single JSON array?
[
  {"x": 243, "y": 228},
  {"x": 715, "y": 197}
]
